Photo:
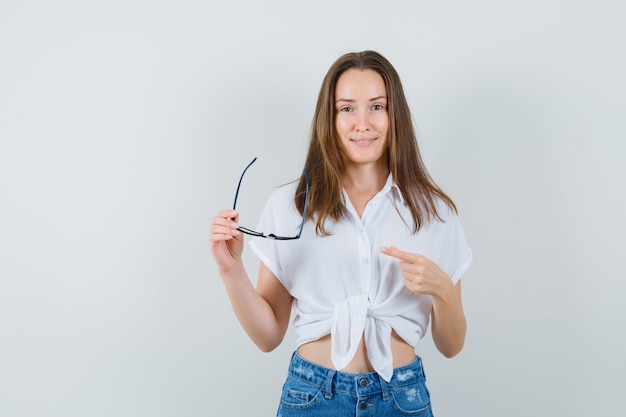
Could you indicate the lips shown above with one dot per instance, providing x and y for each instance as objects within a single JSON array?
[{"x": 363, "y": 142}]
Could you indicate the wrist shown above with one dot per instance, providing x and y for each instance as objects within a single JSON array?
[
  {"x": 231, "y": 270},
  {"x": 445, "y": 294}
]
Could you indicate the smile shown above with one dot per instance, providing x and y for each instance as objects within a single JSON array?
[{"x": 363, "y": 142}]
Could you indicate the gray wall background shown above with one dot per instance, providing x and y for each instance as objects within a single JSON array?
[{"x": 124, "y": 126}]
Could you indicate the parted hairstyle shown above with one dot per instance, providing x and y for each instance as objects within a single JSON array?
[{"x": 324, "y": 161}]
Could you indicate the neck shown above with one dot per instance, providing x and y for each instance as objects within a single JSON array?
[{"x": 365, "y": 177}]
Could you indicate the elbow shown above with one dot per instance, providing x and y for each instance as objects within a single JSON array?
[
  {"x": 269, "y": 345},
  {"x": 451, "y": 353},
  {"x": 266, "y": 348},
  {"x": 268, "y": 338},
  {"x": 450, "y": 350}
]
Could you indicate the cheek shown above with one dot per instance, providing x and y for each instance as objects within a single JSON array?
[
  {"x": 342, "y": 125},
  {"x": 382, "y": 123}
]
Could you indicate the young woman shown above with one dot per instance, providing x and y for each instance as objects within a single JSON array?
[{"x": 380, "y": 254}]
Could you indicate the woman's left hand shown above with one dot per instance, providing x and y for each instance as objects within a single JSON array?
[{"x": 421, "y": 275}]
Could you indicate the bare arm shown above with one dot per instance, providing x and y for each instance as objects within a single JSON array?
[
  {"x": 423, "y": 276},
  {"x": 448, "y": 322},
  {"x": 263, "y": 312}
]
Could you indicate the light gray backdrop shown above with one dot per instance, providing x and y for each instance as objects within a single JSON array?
[{"x": 124, "y": 126}]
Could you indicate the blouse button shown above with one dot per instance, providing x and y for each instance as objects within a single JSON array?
[{"x": 365, "y": 260}]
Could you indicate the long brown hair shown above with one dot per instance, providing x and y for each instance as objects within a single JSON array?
[{"x": 324, "y": 161}]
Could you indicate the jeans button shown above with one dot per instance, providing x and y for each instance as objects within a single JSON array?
[
  {"x": 363, "y": 405},
  {"x": 364, "y": 383}
]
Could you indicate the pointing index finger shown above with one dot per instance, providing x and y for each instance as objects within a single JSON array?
[{"x": 395, "y": 252}]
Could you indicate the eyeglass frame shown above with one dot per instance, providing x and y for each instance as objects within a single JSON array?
[{"x": 272, "y": 235}]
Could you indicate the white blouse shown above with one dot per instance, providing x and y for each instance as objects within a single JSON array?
[{"x": 343, "y": 285}]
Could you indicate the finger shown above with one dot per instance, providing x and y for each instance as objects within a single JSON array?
[
  {"x": 226, "y": 218},
  {"x": 396, "y": 253},
  {"x": 229, "y": 214},
  {"x": 219, "y": 237},
  {"x": 224, "y": 226}
]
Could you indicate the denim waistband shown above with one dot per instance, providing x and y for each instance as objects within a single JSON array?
[{"x": 364, "y": 384}]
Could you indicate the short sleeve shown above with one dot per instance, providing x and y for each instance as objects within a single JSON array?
[
  {"x": 275, "y": 218},
  {"x": 457, "y": 256}
]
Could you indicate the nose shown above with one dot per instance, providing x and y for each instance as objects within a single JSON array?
[{"x": 362, "y": 122}]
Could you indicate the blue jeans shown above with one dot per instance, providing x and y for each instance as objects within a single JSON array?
[{"x": 314, "y": 391}]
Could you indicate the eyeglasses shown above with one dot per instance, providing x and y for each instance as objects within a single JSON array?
[{"x": 272, "y": 235}]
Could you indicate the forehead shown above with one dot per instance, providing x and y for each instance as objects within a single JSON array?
[{"x": 360, "y": 84}]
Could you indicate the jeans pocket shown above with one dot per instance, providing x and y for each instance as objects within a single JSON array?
[
  {"x": 412, "y": 399},
  {"x": 300, "y": 395}
]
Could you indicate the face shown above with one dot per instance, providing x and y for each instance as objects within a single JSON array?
[{"x": 361, "y": 120}]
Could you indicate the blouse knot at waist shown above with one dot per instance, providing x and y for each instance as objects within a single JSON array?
[{"x": 356, "y": 316}]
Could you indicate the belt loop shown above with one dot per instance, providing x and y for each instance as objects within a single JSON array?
[
  {"x": 328, "y": 384},
  {"x": 383, "y": 387}
]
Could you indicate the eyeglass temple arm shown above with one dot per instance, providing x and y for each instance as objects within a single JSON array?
[{"x": 239, "y": 184}]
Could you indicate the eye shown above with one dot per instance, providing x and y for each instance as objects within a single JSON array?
[
  {"x": 378, "y": 107},
  {"x": 345, "y": 109}
]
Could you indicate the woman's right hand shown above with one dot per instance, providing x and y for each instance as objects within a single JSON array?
[{"x": 226, "y": 242}]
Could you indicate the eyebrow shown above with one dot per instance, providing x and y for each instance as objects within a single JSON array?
[{"x": 348, "y": 100}]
